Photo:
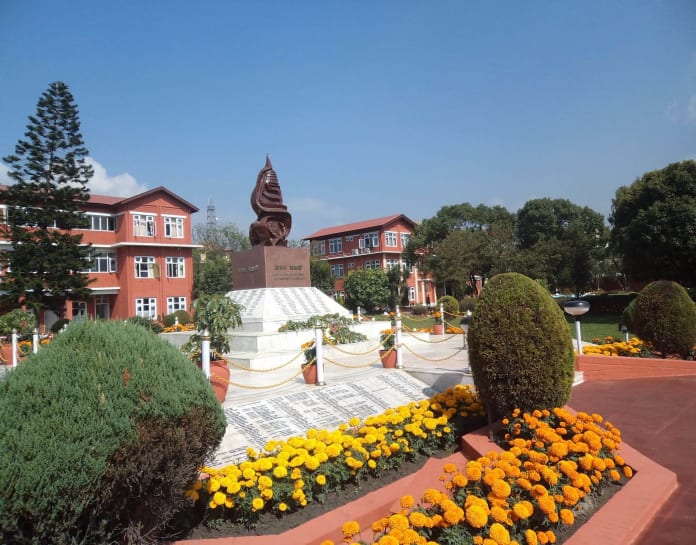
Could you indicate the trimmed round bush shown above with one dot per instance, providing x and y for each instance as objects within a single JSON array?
[
  {"x": 102, "y": 432},
  {"x": 449, "y": 304},
  {"x": 665, "y": 316},
  {"x": 520, "y": 348}
]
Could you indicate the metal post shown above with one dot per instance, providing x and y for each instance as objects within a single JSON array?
[
  {"x": 35, "y": 341},
  {"x": 205, "y": 353},
  {"x": 319, "y": 343},
  {"x": 359, "y": 315},
  {"x": 14, "y": 347},
  {"x": 397, "y": 342},
  {"x": 442, "y": 315},
  {"x": 577, "y": 334}
]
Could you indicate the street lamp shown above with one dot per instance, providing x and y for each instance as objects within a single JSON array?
[{"x": 577, "y": 309}]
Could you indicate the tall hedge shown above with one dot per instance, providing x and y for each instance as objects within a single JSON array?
[
  {"x": 664, "y": 315},
  {"x": 520, "y": 348},
  {"x": 102, "y": 431}
]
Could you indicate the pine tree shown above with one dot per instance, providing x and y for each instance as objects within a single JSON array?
[{"x": 50, "y": 175}]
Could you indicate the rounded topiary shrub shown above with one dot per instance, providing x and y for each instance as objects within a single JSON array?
[
  {"x": 449, "y": 304},
  {"x": 102, "y": 432},
  {"x": 520, "y": 348},
  {"x": 665, "y": 316}
]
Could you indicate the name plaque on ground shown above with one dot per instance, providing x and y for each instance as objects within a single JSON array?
[{"x": 317, "y": 407}]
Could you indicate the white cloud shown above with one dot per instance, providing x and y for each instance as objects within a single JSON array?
[
  {"x": 121, "y": 185},
  {"x": 691, "y": 109},
  {"x": 4, "y": 178}
]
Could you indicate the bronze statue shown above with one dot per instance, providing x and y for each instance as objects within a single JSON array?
[{"x": 273, "y": 222}]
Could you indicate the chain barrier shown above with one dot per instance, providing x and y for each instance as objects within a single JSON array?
[
  {"x": 335, "y": 347},
  {"x": 444, "y": 339},
  {"x": 435, "y": 360},
  {"x": 215, "y": 378},
  {"x": 345, "y": 366},
  {"x": 241, "y": 367}
]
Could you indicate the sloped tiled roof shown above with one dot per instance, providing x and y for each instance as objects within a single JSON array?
[
  {"x": 359, "y": 226},
  {"x": 108, "y": 200}
]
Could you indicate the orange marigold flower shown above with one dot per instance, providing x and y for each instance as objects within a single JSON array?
[
  {"x": 350, "y": 528},
  {"x": 476, "y": 516},
  {"x": 567, "y": 516},
  {"x": 499, "y": 534},
  {"x": 418, "y": 519},
  {"x": 530, "y": 537},
  {"x": 523, "y": 510},
  {"x": 501, "y": 488},
  {"x": 628, "y": 472}
]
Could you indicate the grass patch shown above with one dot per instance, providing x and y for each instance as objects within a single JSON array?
[{"x": 596, "y": 326}]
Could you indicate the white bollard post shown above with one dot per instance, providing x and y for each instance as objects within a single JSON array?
[
  {"x": 205, "y": 354},
  {"x": 442, "y": 314},
  {"x": 397, "y": 342},
  {"x": 35, "y": 341},
  {"x": 359, "y": 315},
  {"x": 578, "y": 336},
  {"x": 14, "y": 347},
  {"x": 319, "y": 343}
]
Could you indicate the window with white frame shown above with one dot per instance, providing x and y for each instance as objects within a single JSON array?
[
  {"x": 369, "y": 240},
  {"x": 102, "y": 261},
  {"x": 3, "y": 214},
  {"x": 98, "y": 222},
  {"x": 173, "y": 227},
  {"x": 143, "y": 225},
  {"x": 411, "y": 293},
  {"x": 351, "y": 265},
  {"x": 146, "y": 307},
  {"x": 349, "y": 238},
  {"x": 404, "y": 239},
  {"x": 372, "y": 264},
  {"x": 175, "y": 303},
  {"x": 337, "y": 270},
  {"x": 390, "y": 239},
  {"x": 145, "y": 267},
  {"x": 391, "y": 263},
  {"x": 175, "y": 267},
  {"x": 335, "y": 245},
  {"x": 318, "y": 247}
]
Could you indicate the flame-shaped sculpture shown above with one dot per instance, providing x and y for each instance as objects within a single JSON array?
[{"x": 273, "y": 222}]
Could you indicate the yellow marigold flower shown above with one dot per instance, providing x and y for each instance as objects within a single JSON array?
[
  {"x": 524, "y": 483},
  {"x": 478, "y": 540},
  {"x": 282, "y": 507},
  {"x": 546, "y": 504},
  {"x": 350, "y": 528},
  {"x": 354, "y": 422},
  {"x": 499, "y": 514},
  {"x": 499, "y": 534},
  {"x": 473, "y": 471},
  {"x": 619, "y": 459},
  {"x": 539, "y": 490},
  {"x": 418, "y": 519},
  {"x": 571, "y": 495},
  {"x": 431, "y": 495},
  {"x": 257, "y": 504},
  {"x": 628, "y": 472},
  {"x": 213, "y": 485},
  {"x": 460, "y": 480},
  {"x": 501, "y": 488},
  {"x": 280, "y": 472},
  {"x": 320, "y": 479},
  {"x": 388, "y": 540},
  {"x": 449, "y": 468},
  {"x": 454, "y": 515},
  {"x": 265, "y": 481},
  {"x": 267, "y": 493},
  {"x": 407, "y": 502},
  {"x": 530, "y": 537},
  {"x": 380, "y": 525},
  {"x": 476, "y": 516},
  {"x": 398, "y": 521},
  {"x": 249, "y": 473},
  {"x": 567, "y": 516},
  {"x": 219, "y": 498},
  {"x": 523, "y": 510}
]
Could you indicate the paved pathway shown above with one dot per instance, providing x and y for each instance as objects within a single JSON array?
[{"x": 656, "y": 416}]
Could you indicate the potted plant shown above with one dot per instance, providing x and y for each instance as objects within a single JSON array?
[
  {"x": 21, "y": 321},
  {"x": 309, "y": 367},
  {"x": 387, "y": 338},
  {"x": 439, "y": 326},
  {"x": 216, "y": 314}
]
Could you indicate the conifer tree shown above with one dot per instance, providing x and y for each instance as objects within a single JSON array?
[{"x": 50, "y": 175}]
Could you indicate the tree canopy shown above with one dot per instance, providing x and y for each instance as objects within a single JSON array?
[
  {"x": 368, "y": 289},
  {"x": 654, "y": 224},
  {"x": 49, "y": 175}
]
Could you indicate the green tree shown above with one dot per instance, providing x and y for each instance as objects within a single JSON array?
[
  {"x": 320, "y": 275},
  {"x": 212, "y": 265},
  {"x": 397, "y": 278},
  {"x": 562, "y": 242},
  {"x": 485, "y": 236},
  {"x": 367, "y": 289},
  {"x": 654, "y": 225},
  {"x": 49, "y": 189}
]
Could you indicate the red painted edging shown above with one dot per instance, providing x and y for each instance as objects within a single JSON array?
[{"x": 622, "y": 367}]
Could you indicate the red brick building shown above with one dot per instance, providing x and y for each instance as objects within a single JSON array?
[
  {"x": 142, "y": 261},
  {"x": 371, "y": 244}
]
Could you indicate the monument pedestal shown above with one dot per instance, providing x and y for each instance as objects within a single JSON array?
[{"x": 270, "y": 267}]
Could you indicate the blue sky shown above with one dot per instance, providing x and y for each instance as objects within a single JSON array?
[{"x": 367, "y": 108}]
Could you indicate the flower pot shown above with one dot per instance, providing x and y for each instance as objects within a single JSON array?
[
  {"x": 438, "y": 329},
  {"x": 220, "y": 378},
  {"x": 309, "y": 372},
  {"x": 388, "y": 358}
]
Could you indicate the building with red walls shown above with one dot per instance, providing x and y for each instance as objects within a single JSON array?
[
  {"x": 142, "y": 262},
  {"x": 372, "y": 244}
]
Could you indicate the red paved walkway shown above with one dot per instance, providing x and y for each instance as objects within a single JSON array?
[{"x": 657, "y": 417}]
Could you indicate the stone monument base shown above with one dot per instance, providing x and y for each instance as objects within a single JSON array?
[{"x": 270, "y": 267}]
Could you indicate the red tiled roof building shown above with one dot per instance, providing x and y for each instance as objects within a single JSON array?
[
  {"x": 142, "y": 262},
  {"x": 372, "y": 244}
]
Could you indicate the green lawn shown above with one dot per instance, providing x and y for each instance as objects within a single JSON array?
[{"x": 596, "y": 326}]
